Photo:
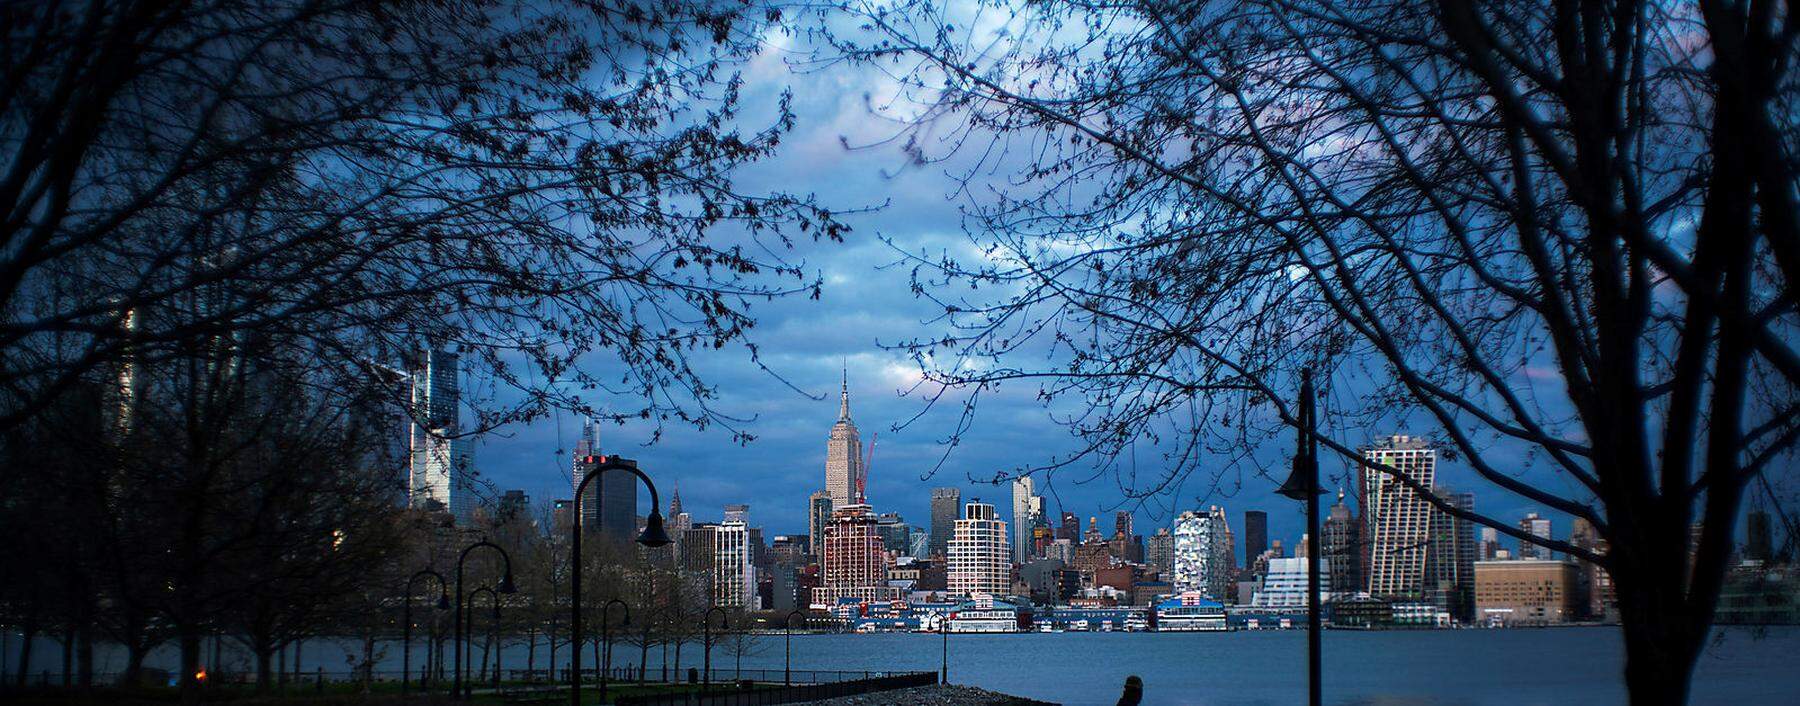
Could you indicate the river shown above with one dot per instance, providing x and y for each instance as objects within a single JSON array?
[{"x": 1520, "y": 667}]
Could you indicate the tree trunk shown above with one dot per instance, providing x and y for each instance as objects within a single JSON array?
[
  {"x": 265, "y": 672},
  {"x": 643, "y": 658},
  {"x": 84, "y": 654},
  {"x": 190, "y": 664},
  {"x": 134, "y": 664},
  {"x": 68, "y": 656},
  {"x": 30, "y": 630}
]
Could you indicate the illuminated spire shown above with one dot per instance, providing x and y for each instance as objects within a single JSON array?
[{"x": 675, "y": 501}]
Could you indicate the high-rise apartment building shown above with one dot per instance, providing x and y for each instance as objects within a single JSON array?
[
  {"x": 733, "y": 566},
  {"x": 843, "y": 456},
  {"x": 440, "y": 460},
  {"x": 1396, "y": 520},
  {"x": 1025, "y": 506},
  {"x": 852, "y": 562},
  {"x": 1204, "y": 557},
  {"x": 1593, "y": 581},
  {"x": 1122, "y": 524},
  {"x": 818, "y": 517},
  {"x": 946, "y": 503},
  {"x": 1256, "y": 533},
  {"x": 1535, "y": 526},
  {"x": 978, "y": 552},
  {"x": 1488, "y": 547}
]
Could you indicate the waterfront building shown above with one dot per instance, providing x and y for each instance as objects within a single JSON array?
[
  {"x": 978, "y": 552},
  {"x": 982, "y": 612},
  {"x": 1203, "y": 555},
  {"x": 1595, "y": 584},
  {"x": 440, "y": 459},
  {"x": 946, "y": 504},
  {"x": 733, "y": 568},
  {"x": 1525, "y": 592},
  {"x": 1256, "y": 533},
  {"x": 1061, "y": 550},
  {"x": 1160, "y": 552},
  {"x": 1190, "y": 611},
  {"x": 1339, "y": 544},
  {"x": 1397, "y": 520},
  {"x": 1450, "y": 560},
  {"x": 843, "y": 455},
  {"x": 1283, "y": 585},
  {"x": 1535, "y": 526},
  {"x": 818, "y": 517},
  {"x": 1025, "y": 506},
  {"x": 852, "y": 563}
]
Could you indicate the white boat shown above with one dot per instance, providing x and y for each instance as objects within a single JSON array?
[
  {"x": 1190, "y": 612},
  {"x": 1078, "y": 626}
]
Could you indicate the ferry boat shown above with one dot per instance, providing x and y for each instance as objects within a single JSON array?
[
  {"x": 1078, "y": 626},
  {"x": 1190, "y": 612}
]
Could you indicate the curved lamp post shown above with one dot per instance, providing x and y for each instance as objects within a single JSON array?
[
  {"x": 443, "y": 603},
  {"x": 506, "y": 586},
  {"x": 606, "y": 641},
  {"x": 493, "y": 634},
  {"x": 653, "y": 536},
  {"x": 706, "y": 630},
  {"x": 787, "y": 675},
  {"x": 944, "y": 627},
  {"x": 1303, "y": 485}
]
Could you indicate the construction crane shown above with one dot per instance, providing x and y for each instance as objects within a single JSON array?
[{"x": 862, "y": 479}]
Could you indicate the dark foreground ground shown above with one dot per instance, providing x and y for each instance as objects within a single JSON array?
[{"x": 939, "y": 695}]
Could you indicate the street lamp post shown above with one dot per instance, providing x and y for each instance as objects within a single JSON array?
[
  {"x": 506, "y": 586},
  {"x": 787, "y": 677},
  {"x": 606, "y": 642},
  {"x": 1303, "y": 485},
  {"x": 493, "y": 635},
  {"x": 944, "y": 627},
  {"x": 406, "y": 625},
  {"x": 706, "y": 644},
  {"x": 653, "y": 536}
]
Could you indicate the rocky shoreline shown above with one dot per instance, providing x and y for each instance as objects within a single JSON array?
[{"x": 935, "y": 695}]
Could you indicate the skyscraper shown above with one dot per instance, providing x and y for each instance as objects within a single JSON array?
[
  {"x": 1160, "y": 552},
  {"x": 609, "y": 507},
  {"x": 978, "y": 558},
  {"x": 1450, "y": 560},
  {"x": 1070, "y": 529},
  {"x": 945, "y": 504},
  {"x": 1256, "y": 533},
  {"x": 843, "y": 455},
  {"x": 1396, "y": 520},
  {"x": 1203, "y": 555},
  {"x": 439, "y": 459},
  {"x": 818, "y": 516},
  {"x": 1535, "y": 526},
  {"x": 1024, "y": 500},
  {"x": 1339, "y": 544}
]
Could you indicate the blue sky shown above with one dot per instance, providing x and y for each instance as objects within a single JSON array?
[{"x": 867, "y": 302}]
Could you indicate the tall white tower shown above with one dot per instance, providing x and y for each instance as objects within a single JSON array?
[
  {"x": 1025, "y": 503},
  {"x": 439, "y": 460}
]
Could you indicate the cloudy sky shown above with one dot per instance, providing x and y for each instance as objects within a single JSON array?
[{"x": 837, "y": 152}]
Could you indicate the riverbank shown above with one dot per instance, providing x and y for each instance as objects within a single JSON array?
[{"x": 935, "y": 695}]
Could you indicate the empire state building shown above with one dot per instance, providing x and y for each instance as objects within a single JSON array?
[{"x": 843, "y": 458}]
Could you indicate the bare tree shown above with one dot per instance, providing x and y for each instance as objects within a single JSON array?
[
  {"x": 536, "y": 184},
  {"x": 1558, "y": 237}
]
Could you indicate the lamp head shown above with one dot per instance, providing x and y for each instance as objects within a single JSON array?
[{"x": 654, "y": 535}]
